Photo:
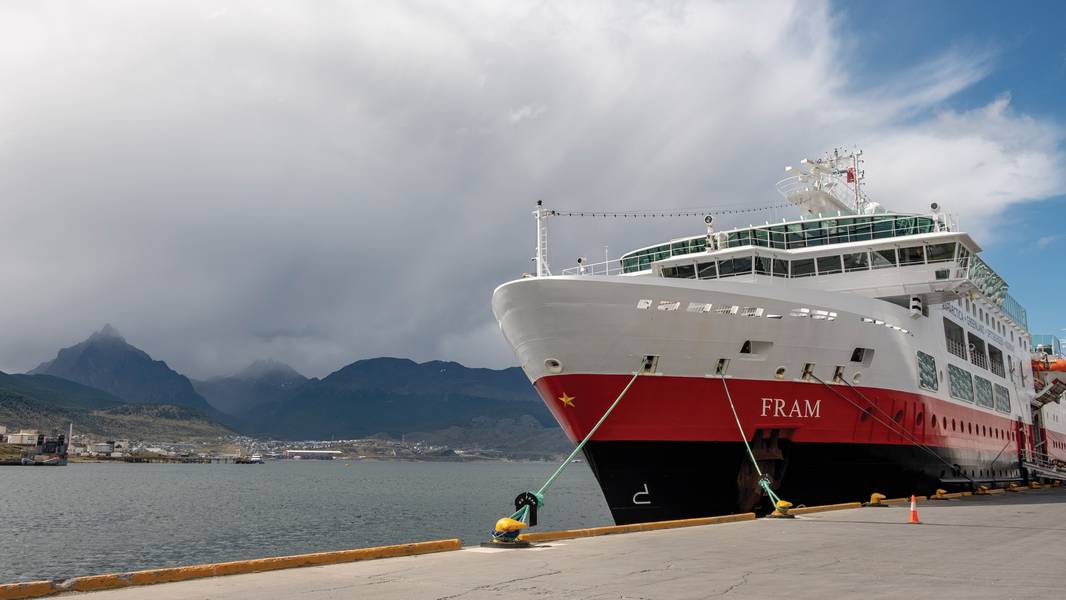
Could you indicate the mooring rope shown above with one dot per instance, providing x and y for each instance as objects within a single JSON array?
[
  {"x": 522, "y": 514},
  {"x": 894, "y": 427},
  {"x": 764, "y": 481}
]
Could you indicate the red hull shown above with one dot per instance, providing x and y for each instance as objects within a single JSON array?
[{"x": 665, "y": 408}]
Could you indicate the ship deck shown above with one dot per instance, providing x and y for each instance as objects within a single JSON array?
[{"x": 998, "y": 546}]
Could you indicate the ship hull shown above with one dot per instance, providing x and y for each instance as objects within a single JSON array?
[
  {"x": 825, "y": 387},
  {"x": 645, "y": 481}
]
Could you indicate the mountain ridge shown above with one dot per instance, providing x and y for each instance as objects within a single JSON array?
[{"x": 106, "y": 361}]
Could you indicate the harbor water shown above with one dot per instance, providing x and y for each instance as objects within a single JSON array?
[{"x": 91, "y": 518}]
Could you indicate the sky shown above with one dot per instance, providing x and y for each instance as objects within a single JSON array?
[{"x": 319, "y": 182}]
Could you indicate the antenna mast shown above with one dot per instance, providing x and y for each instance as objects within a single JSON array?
[{"x": 541, "y": 258}]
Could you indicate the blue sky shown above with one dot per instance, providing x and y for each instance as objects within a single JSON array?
[{"x": 1026, "y": 52}]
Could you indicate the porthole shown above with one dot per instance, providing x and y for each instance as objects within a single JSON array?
[
  {"x": 953, "y": 424},
  {"x": 553, "y": 365},
  {"x": 856, "y": 378},
  {"x": 780, "y": 372},
  {"x": 918, "y": 419},
  {"x": 934, "y": 421}
]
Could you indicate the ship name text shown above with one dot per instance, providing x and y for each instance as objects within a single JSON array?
[{"x": 796, "y": 409}]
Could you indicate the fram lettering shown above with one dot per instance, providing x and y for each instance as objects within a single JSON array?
[{"x": 796, "y": 409}]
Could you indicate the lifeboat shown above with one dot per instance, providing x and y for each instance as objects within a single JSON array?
[{"x": 1058, "y": 365}]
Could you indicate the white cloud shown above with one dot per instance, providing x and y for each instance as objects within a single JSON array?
[
  {"x": 1047, "y": 240},
  {"x": 325, "y": 181}
]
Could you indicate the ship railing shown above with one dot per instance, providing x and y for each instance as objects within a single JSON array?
[
  {"x": 957, "y": 348},
  {"x": 606, "y": 267}
]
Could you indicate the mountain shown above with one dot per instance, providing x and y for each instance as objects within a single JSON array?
[
  {"x": 396, "y": 396},
  {"x": 107, "y": 362},
  {"x": 404, "y": 376},
  {"x": 262, "y": 384},
  {"x": 45, "y": 403}
]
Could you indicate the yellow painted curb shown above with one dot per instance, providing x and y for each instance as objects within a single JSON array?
[
  {"x": 34, "y": 589},
  {"x": 997, "y": 491},
  {"x": 806, "y": 510},
  {"x": 565, "y": 534},
  {"x": 37, "y": 589},
  {"x": 950, "y": 496},
  {"x": 905, "y": 500}
]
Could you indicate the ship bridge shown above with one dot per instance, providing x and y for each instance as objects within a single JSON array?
[{"x": 895, "y": 257}]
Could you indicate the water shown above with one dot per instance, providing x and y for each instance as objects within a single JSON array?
[{"x": 86, "y": 519}]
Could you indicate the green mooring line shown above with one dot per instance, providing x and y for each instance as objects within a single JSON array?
[
  {"x": 521, "y": 513},
  {"x": 747, "y": 446}
]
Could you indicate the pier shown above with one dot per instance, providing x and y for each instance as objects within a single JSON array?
[{"x": 1001, "y": 545}]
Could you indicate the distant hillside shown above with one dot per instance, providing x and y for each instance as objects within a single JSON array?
[
  {"x": 404, "y": 376},
  {"x": 45, "y": 403},
  {"x": 261, "y": 385},
  {"x": 397, "y": 396},
  {"x": 107, "y": 362},
  {"x": 57, "y": 392}
]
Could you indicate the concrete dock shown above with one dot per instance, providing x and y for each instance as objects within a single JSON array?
[{"x": 1008, "y": 545}]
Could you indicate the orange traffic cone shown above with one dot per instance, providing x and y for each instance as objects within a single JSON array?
[{"x": 914, "y": 511}]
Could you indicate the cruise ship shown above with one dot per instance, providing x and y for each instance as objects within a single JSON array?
[{"x": 850, "y": 350}]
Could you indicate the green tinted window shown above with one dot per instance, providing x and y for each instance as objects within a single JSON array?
[
  {"x": 828, "y": 265},
  {"x": 881, "y": 259},
  {"x": 1002, "y": 399},
  {"x": 983, "y": 389},
  {"x": 961, "y": 384},
  {"x": 803, "y": 267},
  {"x": 927, "y": 377},
  {"x": 859, "y": 261}
]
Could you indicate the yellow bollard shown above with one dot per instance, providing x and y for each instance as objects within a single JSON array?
[
  {"x": 781, "y": 510},
  {"x": 876, "y": 499},
  {"x": 938, "y": 495}
]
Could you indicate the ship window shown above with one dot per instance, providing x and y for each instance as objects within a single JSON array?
[
  {"x": 977, "y": 351},
  {"x": 708, "y": 270},
  {"x": 742, "y": 266},
  {"x": 883, "y": 228},
  {"x": 736, "y": 266},
  {"x": 780, "y": 268},
  {"x": 955, "y": 338},
  {"x": 995, "y": 359},
  {"x": 680, "y": 272},
  {"x": 763, "y": 265},
  {"x": 960, "y": 384},
  {"x": 933, "y": 421},
  {"x": 1002, "y": 399},
  {"x": 940, "y": 252},
  {"x": 808, "y": 371},
  {"x": 856, "y": 262},
  {"x": 881, "y": 259},
  {"x": 912, "y": 255},
  {"x": 828, "y": 265},
  {"x": 803, "y": 267},
  {"x": 927, "y": 372}
]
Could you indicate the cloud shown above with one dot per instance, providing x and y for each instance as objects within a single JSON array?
[
  {"x": 320, "y": 182},
  {"x": 1047, "y": 240}
]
